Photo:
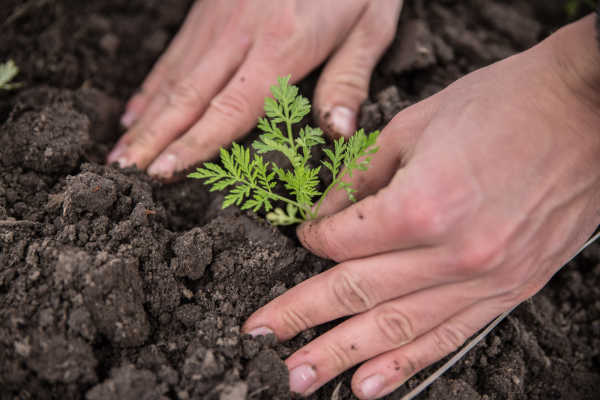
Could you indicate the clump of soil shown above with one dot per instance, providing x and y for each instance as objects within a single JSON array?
[{"x": 115, "y": 286}]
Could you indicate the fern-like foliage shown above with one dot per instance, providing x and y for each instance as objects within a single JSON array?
[
  {"x": 8, "y": 71},
  {"x": 251, "y": 181}
]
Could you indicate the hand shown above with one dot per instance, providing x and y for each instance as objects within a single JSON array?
[
  {"x": 477, "y": 196},
  {"x": 209, "y": 88}
]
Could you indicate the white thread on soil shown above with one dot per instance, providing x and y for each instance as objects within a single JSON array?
[{"x": 448, "y": 364}]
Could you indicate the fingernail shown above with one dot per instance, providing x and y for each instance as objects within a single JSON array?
[
  {"x": 116, "y": 153},
  {"x": 372, "y": 386},
  {"x": 261, "y": 331},
  {"x": 124, "y": 162},
  {"x": 301, "y": 378},
  {"x": 342, "y": 121},
  {"x": 163, "y": 166},
  {"x": 128, "y": 119}
]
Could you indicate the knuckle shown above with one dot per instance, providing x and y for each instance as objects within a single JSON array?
[
  {"x": 480, "y": 257},
  {"x": 339, "y": 356},
  {"x": 145, "y": 139},
  {"x": 387, "y": 35},
  {"x": 436, "y": 209},
  {"x": 447, "y": 338},
  {"x": 160, "y": 72},
  {"x": 380, "y": 34},
  {"x": 294, "y": 321},
  {"x": 231, "y": 104},
  {"x": 513, "y": 297},
  {"x": 426, "y": 216},
  {"x": 284, "y": 38},
  {"x": 281, "y": 35},
  {"x": 395, "y": 326},
  {"x": 517, "y": 286},
  {"x": 350, "y": 292},
  {"x": 352, "y": 81},
  {"x": 380, "y": 24},
  {"x": 184, "y": 94}
]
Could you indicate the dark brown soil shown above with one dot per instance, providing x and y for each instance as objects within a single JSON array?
[{"x": 116, "y": 287}]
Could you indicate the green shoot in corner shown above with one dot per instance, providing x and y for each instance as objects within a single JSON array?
[
  {"x": 251, "y": 180},
  {"x": 8, "y": 71}
]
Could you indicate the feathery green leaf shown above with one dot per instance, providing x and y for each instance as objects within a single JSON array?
[{"x": 251, "y": 181}]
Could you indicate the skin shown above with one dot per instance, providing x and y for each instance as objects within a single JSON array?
[
  {"x": 477, "y": 196},
  {"x": 208, "y": 89}
]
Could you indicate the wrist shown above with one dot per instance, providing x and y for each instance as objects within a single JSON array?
[{"x": 576, "y": 58}]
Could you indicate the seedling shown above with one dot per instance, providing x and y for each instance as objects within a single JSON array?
[
  {"x": 251, "y": 180},
  {"x": 574, "y": 7},
  {"x": 8, "y": 71}
]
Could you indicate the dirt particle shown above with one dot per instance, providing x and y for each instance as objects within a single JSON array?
[
  {"x": 114, "y": 297},
  {"x": 78, "y": 198},
  {"x": 193, "y": 252}
]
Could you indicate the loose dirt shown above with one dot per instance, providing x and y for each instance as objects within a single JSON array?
[{"x": 116, "y": 286}]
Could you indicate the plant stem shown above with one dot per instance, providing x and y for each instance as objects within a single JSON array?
[
  {"x": 288, "y": 125},
  {"x": 303, "y": 214},
  {"x": 331, "y": 186},
  {"x": 301, "y": 208}
]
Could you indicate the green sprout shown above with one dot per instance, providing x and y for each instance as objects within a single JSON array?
[
  {"x": 8, "y": 71},
  {"x": 252, "y": 181},
  {"x": 574, "y": 7}
]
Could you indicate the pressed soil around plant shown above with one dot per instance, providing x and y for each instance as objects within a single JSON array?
[{"x": 114, "y": 286}]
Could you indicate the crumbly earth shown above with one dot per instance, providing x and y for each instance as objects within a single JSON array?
[{"x": 113, "y": 286}]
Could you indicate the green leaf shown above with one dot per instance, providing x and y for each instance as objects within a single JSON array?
[
  {"x": 280, "y": 217},
  {"x": 266, "y": 144},
  {"x": 336, "y": 157},
  {"x": 299, "y": 109},
  {"x": 349, "y": 190},
  {"x": 360, "y": 145},
  {"x": 8, "y": 71},
  {"x": 309, "y": 137},
  {"x": 274, "y": 110},
  {"x": 302, "y": 183},
  {"x": 250, "y": 180}
]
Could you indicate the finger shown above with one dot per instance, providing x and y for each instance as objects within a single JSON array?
[
  {"x": 384, "y": 328},
  {"x": 188, "y": 46},
  {"x": 396, "y": 143},
  {"x": 231, "y": 114},
  {"x": 385, "y": 373},
  {"x": 344, "y": 82},
  {"x": 418, "y": 208},
  {"x": 176, "y": 107},
  {"x": 235, "y": 110},
  {"x": 352, "y": 288}
]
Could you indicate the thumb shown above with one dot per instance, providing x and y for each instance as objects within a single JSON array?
[{"x": 344, "y": 82}]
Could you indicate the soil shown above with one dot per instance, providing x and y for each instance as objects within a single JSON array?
[{"x": 116, "y": 286}]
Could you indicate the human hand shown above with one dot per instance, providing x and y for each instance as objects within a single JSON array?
[
  {"x": 478, "y": 195},
  {"x": 209, "y": 87}
]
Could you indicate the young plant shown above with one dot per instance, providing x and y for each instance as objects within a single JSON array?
[
  {"x": 251, "y": 180},
  {"x": 8, "y": 71},
  {"x": 573, "y": 8}
]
